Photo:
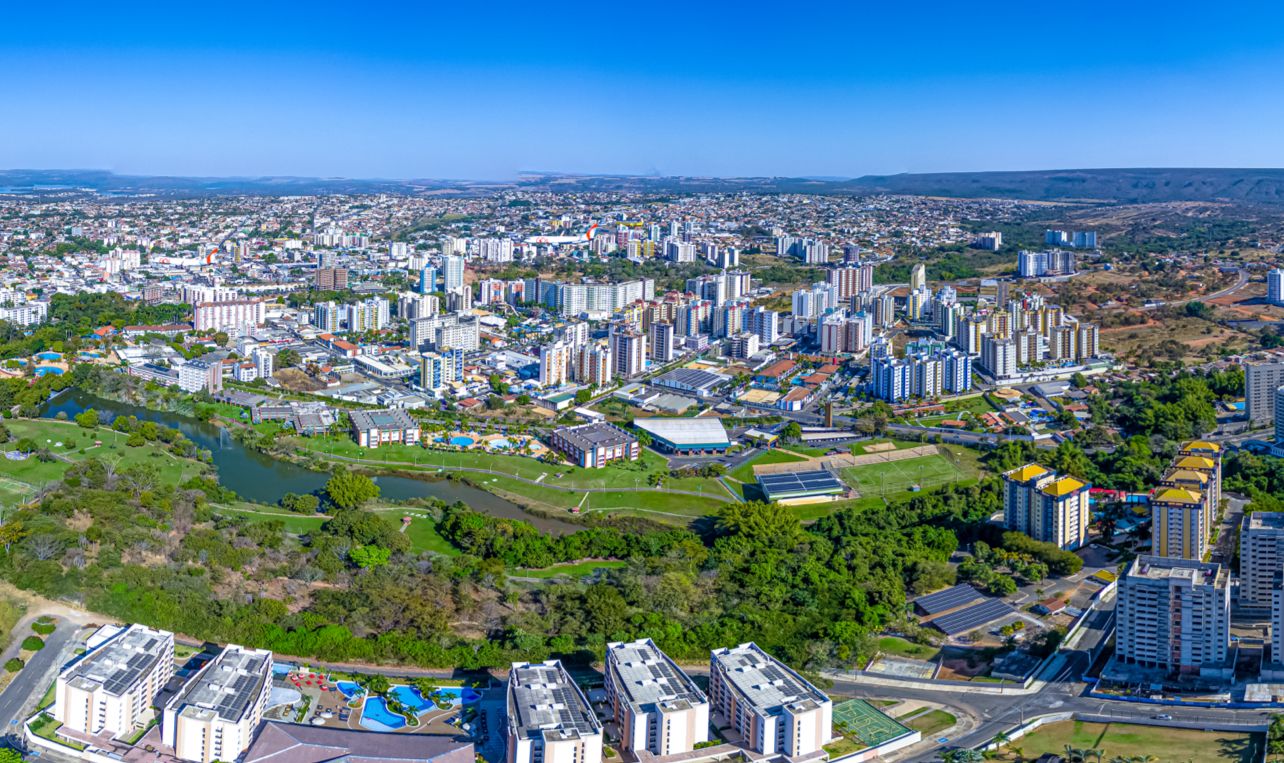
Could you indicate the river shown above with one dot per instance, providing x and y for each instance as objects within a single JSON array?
[{"x": 261, "y": 478}]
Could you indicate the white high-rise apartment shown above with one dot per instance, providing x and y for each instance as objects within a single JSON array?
[
  {"x": 554, "y": 364},
  {"x": 1261, "y": 380},
  {"x": 549, "y": 718},
  {"x": 215, "y": 714},
  {"x": 452, "y": 272},
  {"x": 657, "y": 707},
  {"x": 1261, "y": 557},
  {"x": 112, "y": 688},
  {"x": 1275, "y": 287},
  {"x": 1173, "y": 614},
  {"x": 773, "y": 709}
]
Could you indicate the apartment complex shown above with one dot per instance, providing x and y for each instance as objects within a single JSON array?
[
  {"x": 1261, "y": 380},
  {"x": 1183, "y": 508},
  {"x": 110, "y": 690},
  {"x": 595, "y": 445},
  {"x": 374, "y": 428},
  {"x": 1173, "y": 614},
  {"x": 216, "y": 713},
  {"x": 549, "y": 718},
  {"x": 775, "y": 710},
  {"x": 1261, "y": 558},
  {"x": 1045, "y": 506},
  {"x": 657, "y": 707}
]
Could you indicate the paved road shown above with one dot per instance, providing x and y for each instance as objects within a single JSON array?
[{"x": 31, "y": 679}]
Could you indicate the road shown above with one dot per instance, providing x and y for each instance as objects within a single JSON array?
[
  {"x": 31, "y": 680},
  {"x": 1240, "y": 283}
]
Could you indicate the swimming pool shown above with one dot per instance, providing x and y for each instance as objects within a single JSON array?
[
  {"x": 377, "y": 717},
  {"x": 411, "y": 699},
  {"x": 500, "y": 443},
  {"x": 460, "y": 441},
  {"x": 49, "y": 355},
  {"x": 46, "y": 370},
  {"x": 459, "y": 694},
  {"x": 349, "y": 689}
]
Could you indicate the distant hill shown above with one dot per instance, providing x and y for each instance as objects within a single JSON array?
[{"x": 1132, "y": 186}]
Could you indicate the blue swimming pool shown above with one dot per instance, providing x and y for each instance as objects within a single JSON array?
[
  {"x": 500, "y": 443},
  {"x": 49, "y": 355},
  {"x": 47, "y": 370},
  {"x": 411, "y": 699},
  {"x": 460, "y": 694},
  {"x": 377, "y": 717},
  {"x": 349, "y": 689},
  {"x": 460, "y": 441}
]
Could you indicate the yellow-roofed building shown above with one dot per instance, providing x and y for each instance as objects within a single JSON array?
[
  {"x": 1180, "y": 529},
  {"x": 1045, "y": 506}
]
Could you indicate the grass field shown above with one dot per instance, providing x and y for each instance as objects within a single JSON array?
[
  {"x": 1125, "y": 740},
  {"x": 899, "y": 647},
  {"x": 576, "y": 570},
  {"x": 665, "y": 507},
  {"x": 14, "y": 475},
  {"x": 744, "y": 472},
  {"x": 930, "y": 723},
  {"x": 892, "y": 478},
  {"x": 422, "y": 531}
]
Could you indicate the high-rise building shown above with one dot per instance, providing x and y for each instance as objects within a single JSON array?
[
  {"x": 774, "y": 710},
  {"x": 427, "y": 280},
  {"x": 554, "y": 364},
  {"x": 237, "y": 314},
  {"x": 594, "y": 364},
  {"x": 331, "y": 279},
  {"x": 325, "y": 316},
  {"x": 661, "y": 341},
  {"x": 438, "y": 370},
  {"x": 999, "y": 357},
  {"x": 918, "y": 277},
  {"x": 112, "y": 689},
  {"x": 1179, "y": 524},
  {"x": 1261, "y": 558},
  {"x": 215, "y": 714},
  {"x": 1261, "y": 380},
  {"x": 1275, "y": 286},
  {"x": 549, "y": 718},
  {"x": 453, "y": 272},
  {"x": 1173, "y": 614},
  {"x": 656, "y": 706},
  {"x": 628, "y": 348},
  {"x": 1049, "y": 508},
  {"x": 264, "y": 362}
]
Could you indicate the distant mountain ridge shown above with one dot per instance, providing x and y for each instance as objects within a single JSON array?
[{"x": 1140, "y": 185}]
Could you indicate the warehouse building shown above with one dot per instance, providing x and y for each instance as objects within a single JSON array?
[
  {"x": 696, "y": 435},
  {"x": 657, "y": 707}
]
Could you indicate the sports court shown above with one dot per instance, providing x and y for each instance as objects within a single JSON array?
[
  {"x": 902, "y": 666},
  {"x": 894, "y": 477},
  {"x": 859, "y": 719}
]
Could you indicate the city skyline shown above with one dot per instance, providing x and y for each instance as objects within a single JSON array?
[{"x": 710, "y": 90}]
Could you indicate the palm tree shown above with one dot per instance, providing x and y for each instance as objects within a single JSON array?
[
  {"x": 1095, "y": 752},
  {"x": 1001, "y": 739},
  {"x": 1074, "y": 755}
]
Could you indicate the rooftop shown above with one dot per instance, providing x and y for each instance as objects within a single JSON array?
[
  {"x": 1026, "y": 473},
  {"x": 1212, "y": 447},
  {"x": 228, "y": 686},
  {"x": 1162, "y": 568},
  {"x": 1195, "y": 462},
  {"x": 393, "y": 418},
  {"x": 764, "y": 681},
  {"x": 121, "y": 661},
  {"x": 595, "y": 435},
  {"x": 1176, "y": 495},
  {"x": 1063, "y": 487},
  {"x": 701, "y": 431},
  {"x": 279, "y": 742},
  {"x": 644, "y": 676},
  {"x": 543, "y": 700},
  {"x": 1266, "y": 520}
]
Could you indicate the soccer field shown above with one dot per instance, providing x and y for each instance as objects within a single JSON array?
[{"x": 893, "y": 478}]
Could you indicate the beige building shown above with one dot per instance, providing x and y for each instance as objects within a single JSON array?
[
  {"x": 773, "y": 709},
  {"x": 215, "y": 714},
  {"x": 549, "y": 718},
  {"x": 111, "y": 689},
  {"x": 657, "y": 707},
  {"x": 1179, "y": 527},
  {"x": 1173, "y": 614},
  {"x": 1045, "y": 506}
]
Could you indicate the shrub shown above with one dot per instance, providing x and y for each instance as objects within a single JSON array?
[
  {"x": 33, "y": 643},
  {"x": 43, "y": 627},
  {"x": 14, "y": 664}
]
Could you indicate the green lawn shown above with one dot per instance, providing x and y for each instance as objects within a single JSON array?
[
  {"x": 890, "y": 479},
  {"x": 744, "y": 472},
  {"x": 654, "y": 504},
  {"x": 422, "y": 531},
  {"x": 575, "y": 570},
  {"x": 930, "y": 723},
  {"x": 899, "y": 647},
  {"x": 48, "y": 432},
  {"x": 1125, "y": 740}
]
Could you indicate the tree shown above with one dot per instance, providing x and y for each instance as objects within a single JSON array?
[
  {"x": 376, "y": 684},
  {"x": 349, "y": 490},
  {"x": 287, "y": 359},
  {"x": 13, "y": 665},
  {"x": 221, "y": 338},
  {"x": 369, "y": 557},
  {"x": 791, "y": 432},
  {"x": 87, "y": 418}
]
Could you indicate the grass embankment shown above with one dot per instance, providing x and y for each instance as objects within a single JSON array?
[
  {"x": 1126, "y": 740},
  {"x": 77, "y": 444}
]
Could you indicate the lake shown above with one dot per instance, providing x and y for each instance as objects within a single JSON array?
[{"x": 261, "y": 478}]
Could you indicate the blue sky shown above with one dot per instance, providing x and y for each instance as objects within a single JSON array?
[{"x": 485, "y": 90}]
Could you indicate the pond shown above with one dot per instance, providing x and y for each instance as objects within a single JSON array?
[{"x": 261, "y": 478}]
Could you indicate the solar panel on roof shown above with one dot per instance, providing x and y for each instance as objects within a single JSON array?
[
  {"x": 973, "y": 617},
  {"x": 798, "y": 482},
  {"x": 956, "y": 596}
]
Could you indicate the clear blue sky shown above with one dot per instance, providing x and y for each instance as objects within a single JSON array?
[{"x": 484, "y": 90}]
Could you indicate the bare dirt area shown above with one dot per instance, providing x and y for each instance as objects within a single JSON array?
[{"x": 296, "y": 381}]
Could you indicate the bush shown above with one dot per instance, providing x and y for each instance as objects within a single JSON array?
[
  {"x": 33, "y": 643},
  {"x": 43, "y": 627},
  {"x": 14, "y": 664}
]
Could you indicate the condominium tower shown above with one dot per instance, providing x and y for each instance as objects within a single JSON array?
[{"x": 657, "y": 707}]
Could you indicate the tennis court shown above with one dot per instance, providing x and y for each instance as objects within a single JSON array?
[
  {"x": 894, "y": 477},
  {"x": 857, "y": 718}
]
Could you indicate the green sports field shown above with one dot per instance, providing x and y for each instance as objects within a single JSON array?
[{"x": 892, "y": 478}]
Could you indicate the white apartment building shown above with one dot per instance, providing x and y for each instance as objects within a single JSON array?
[
  {"x": 1261, "y": 557},
  {"x": 238, "y": 314},
  {"x": 199, "y": 375},
  {"x": 1261, "y": 380},
  {"x": 1173, "y": 614},
  {"x": 554, "y": 364},
  {"x": 110, "y": 690},
  {"x": 657, "y": 707},
  {"x": 549, "y": 718},
  {"x": 775, "y": 710},
  {"x": 215, "y": 714}
]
